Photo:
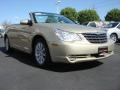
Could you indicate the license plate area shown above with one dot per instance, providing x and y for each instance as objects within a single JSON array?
[{"x": 102, "y": 51}]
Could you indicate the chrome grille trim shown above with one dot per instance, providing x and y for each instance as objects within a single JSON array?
[{"x": 96, "y": 37}]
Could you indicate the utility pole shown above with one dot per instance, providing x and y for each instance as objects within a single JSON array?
[{"x": 57, "y": 5}]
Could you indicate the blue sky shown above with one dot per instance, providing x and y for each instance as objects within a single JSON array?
[{"x": 14, "y": 10}]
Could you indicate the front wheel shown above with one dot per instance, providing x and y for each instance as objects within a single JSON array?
[
  {"x": 7, "y": 45},
  {"x": 41, "y": 52},
  {"x": 114, "y": 37}
]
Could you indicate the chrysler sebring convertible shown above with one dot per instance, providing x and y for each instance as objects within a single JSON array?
[{"x": 52, "y": 37}]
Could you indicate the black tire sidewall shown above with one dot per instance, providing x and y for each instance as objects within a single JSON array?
[
  {"x": 9, "y": 49},
  {"x": 47, "y": 58},
  {"x": 114, "y": 36}
]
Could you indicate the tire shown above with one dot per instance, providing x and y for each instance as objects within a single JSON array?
[
  {"x": 41, "y": 53},
  {"x": 0, "y": 36},
  {"x": 7, "y": 45},
  {"x": 114, "y": 37}
]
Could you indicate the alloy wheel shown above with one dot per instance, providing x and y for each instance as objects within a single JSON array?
[
  {"x": 40, "y": 53},
  {"x": 113, "y": 37},
  {"x": 6, "y": 44}
]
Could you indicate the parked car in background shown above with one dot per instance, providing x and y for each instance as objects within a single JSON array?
[
  {"x": 2, "y": 33},
  {"x": 94, "y": 24},
  {"x": 53, "y": 37},
  {"x": 113, "y": 30}
]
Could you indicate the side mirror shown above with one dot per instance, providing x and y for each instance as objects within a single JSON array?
[
  {"x": 76, "y": 22},
  {"x": 26, "y": 22}
]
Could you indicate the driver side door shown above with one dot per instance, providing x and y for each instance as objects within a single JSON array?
[{"x": 24, "y": 37}]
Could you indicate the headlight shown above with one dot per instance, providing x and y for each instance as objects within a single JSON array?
[{"x": 67, "y": 36}]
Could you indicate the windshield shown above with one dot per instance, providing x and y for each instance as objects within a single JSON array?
[
  {"x": 52, "y": 18},
  {"x": 111, "y": 25}
]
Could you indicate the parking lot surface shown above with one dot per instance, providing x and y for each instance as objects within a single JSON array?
[{"x": 19, "y": 72}]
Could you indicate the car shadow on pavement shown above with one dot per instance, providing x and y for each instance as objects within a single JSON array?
[{"x": 55, "y": 67}]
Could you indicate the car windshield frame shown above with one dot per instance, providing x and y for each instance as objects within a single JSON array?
[
  {"x": 51, "y": 18},
  {"x": 112, "y": 25}
]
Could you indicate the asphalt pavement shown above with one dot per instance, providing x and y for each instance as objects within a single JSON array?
[{"x": 19, "y": 72}]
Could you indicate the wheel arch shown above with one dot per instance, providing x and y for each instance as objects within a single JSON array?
[
  {"x": 36, "y": 37},
  {"x": 114, "y": 33}
]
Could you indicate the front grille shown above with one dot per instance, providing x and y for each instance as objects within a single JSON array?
[{"x": 96, "y": 37}]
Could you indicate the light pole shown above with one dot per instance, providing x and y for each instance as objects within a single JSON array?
[{"x": 57, "y": 4}]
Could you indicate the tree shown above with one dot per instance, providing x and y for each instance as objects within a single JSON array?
[
  {"x": 87, "y": 15},
  {"x": 113, "y": 15},
  {"x": 6, "y": 24},
  {"x": 69, "y": 13}
]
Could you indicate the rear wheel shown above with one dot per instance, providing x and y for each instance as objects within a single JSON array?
[
  {"x": 114, "y": 37},
  {"x": 0, "y": 36},
  {"x": 7, "y": 45},
  {"x": 41, "y": 52}
]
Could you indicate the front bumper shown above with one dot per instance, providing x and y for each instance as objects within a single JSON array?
[{"x": 74, "y": 52}]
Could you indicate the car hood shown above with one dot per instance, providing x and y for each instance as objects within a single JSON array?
[{"x": 72, "y": 28}]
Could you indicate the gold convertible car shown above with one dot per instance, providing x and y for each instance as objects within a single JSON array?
[{"x": 53, "y": 37}]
